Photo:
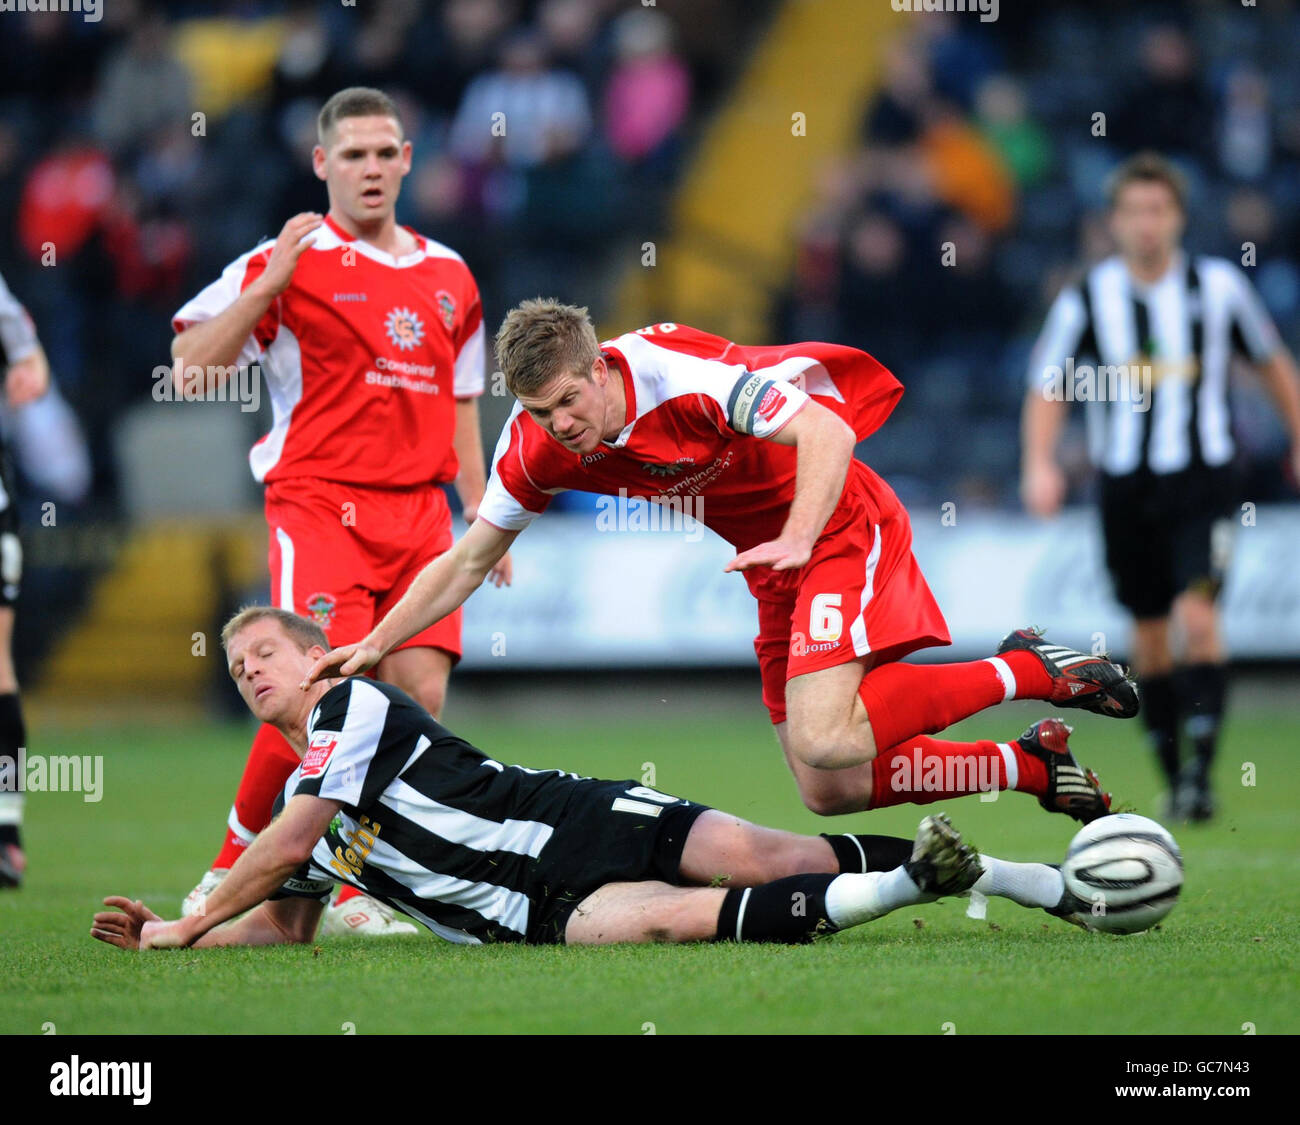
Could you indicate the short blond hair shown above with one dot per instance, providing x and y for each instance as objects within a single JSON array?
[
  {"x": 541, "y": 339},
  {"x": 302, "y": 632}
]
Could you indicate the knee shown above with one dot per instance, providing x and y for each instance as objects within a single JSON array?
[
  {"x": 431, "y": 695},
  {"x": 828, "y": 800},
  {"x": 817, "y": 748},
  {"x": 1200, "y": 624}
]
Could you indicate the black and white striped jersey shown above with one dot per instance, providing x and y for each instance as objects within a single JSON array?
[
  {"x": 1151, "y": 361},
  {"x": 429, "y": 824}
]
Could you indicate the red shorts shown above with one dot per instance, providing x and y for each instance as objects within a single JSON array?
[
  {"x": 860, "y": 596},
  {"x": 343, "y": 555}
]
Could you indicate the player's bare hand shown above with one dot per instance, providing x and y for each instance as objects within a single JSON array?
[
  {"x": 27, "y": 379},
  {"x": 346, "y": 660},
  {"x": 779, "y": 554},
  {"x": 124, "y": 925},
  {"x": 1042, "y": 489},
  {"x": 157, "y": 934},
  {"x": 289, "y": 247},
  {"x": 503, "y": 573}
]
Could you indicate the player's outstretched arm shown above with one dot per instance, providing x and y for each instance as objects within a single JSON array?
[
  {"x": 287, "y": 921},
  {"x": 472, "y": 479},
  {"x": 269, "y": 861},
  {"x": 439, "y": 589},
  {"x": 823, "y": 444},
  {"x": 215, "y": 344}
]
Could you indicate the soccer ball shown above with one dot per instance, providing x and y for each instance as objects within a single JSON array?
[{"x": 1127, "y": 870}]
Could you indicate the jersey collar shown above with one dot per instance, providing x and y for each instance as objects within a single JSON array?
[
  {"x": 616, "y": 361},
  {"x": 368, "y": 250}
]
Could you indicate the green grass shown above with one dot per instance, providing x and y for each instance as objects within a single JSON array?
[{"x": 1225, "y": 957}]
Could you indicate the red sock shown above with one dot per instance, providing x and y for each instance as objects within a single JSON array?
[
  {"x": 346, "y": 892},
  {"x": 270, "y": 762},
  {"x": 231, "y": 850},
  {"x": 903, "y": 700},
  {"x": 923, "y": 770}
]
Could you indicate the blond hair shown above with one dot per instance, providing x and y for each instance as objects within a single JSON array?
[
  {"x": 302, "y": 632},
  {"x": 542, "y": 338}
]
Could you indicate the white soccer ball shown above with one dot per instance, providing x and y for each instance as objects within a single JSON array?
[{"x": 1127, "y": 869}]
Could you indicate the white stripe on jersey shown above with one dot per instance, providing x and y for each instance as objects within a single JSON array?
[
  {"x": 363, "y": 728},
  {"x": 858, "y": 630},
  {"x": 1116, "y": 431},
  {"x": 522, "y": 837},
  {"x": 659, "y": 374},
  {"x": 499, "y": 904},
  {"x": 282, "y": 370},
  {"x": 468, "y": 380},
  {"x": 285, "y": 583}
]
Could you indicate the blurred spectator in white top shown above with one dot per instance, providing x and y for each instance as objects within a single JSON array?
[
  {"x": 523, "y": 114},
  {"x": 144, "y": 87},
  {"x": 1245, "y": 126}
]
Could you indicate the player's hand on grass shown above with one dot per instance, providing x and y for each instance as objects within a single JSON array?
[
  {"x": 1042, "y": 489},
  {"x": 289, "y": 247},
  {"x": 504, "y": 571},
  {"x": 124, "y": 926},
  {"x": 346, "y": 660},
  {"x": 779, "y": 554}
]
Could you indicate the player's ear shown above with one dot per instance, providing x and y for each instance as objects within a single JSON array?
[{"x": 318, "y": 161}]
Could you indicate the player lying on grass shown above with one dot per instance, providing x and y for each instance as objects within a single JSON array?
[
  {"x": 390, "y": 801},
  {"x": 760, "y": 442}
]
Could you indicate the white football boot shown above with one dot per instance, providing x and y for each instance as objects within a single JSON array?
[
  {"x": 211, "y": 880},
  {"x": 363, "y": 916}
]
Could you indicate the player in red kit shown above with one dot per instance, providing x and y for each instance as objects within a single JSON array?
[
  {"x": 371, "y": 341},
  {"x": 761, "y": 440}
]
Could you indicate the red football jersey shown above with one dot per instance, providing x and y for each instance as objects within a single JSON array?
[
  {"x": 364, "y": 355},
  {"x": 696, "y": 404}
]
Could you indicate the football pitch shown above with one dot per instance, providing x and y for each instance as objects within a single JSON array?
[{"x": 1222, "y": 963}]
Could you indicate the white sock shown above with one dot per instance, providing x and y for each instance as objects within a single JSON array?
[
  {"x": 856, "y": 898},
  {"x": 1029, "y": 884},
  {"x": 1005, "y": 674}
]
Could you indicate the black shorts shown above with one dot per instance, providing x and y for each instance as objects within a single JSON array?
[
  {"x": 1167, "y": 534},
  {"x": 11, "y": 550},
  {"x": 611, "y": 832}
]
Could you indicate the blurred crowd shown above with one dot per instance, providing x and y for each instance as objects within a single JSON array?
[
  {"x": 979, "y": 184},
  {"x": 141, "y": 153}
]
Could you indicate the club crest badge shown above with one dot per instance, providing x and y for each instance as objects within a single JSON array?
[
  {"x": 447, "y": 307},
  {"x": 321, "y": 608},
  {"x": 405, "y": 329}
]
